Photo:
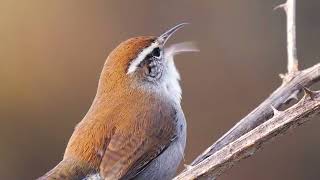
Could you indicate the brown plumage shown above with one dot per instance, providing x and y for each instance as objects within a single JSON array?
[{"x": 126, "y": 127}]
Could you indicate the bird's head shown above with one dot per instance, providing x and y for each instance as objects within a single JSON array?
[{"x": 144, "y": 63}]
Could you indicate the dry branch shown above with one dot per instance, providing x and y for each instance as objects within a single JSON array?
[
  {"x": 257, "y": 128},
  {"x": 290, "y": 87},
  {"x": 249, "y": 143}
]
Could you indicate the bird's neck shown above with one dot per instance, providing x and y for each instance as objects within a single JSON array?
[{"x": 68, "y": 169}]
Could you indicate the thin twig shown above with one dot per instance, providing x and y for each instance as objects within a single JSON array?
[
  {"x": 290, "y": 9},
  {"x": 291, "y": 36}
]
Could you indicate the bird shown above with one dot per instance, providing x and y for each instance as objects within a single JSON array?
[{"x": 135, "y": 127}]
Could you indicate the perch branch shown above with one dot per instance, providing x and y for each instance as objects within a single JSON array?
[
  {"x": 250, "y": 132},
  {"x": 286, "y": 92},
  {"x": 249, "y": 143}
]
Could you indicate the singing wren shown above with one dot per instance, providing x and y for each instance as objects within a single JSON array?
[{"x": 135, "y": 127}]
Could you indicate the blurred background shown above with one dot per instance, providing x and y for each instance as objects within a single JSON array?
[{"x": 52, "y": 52}]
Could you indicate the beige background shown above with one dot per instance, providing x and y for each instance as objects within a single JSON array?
[{"x": 51, "y": 54}]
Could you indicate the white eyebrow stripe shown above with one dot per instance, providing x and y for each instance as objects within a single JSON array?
[{"x": 134, "y": 63}]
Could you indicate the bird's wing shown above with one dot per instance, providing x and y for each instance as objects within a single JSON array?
[{"x": 131, "y": 149}]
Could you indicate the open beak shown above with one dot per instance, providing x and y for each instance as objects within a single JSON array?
[
  {"x": 165, "y": 36},
  {"x": 176, "y": 48}
]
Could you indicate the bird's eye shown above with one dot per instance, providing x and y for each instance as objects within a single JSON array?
[{"x": 156, "y": 52}]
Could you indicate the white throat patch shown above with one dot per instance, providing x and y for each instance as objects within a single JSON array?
[{"x": 171, "y": 82}]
